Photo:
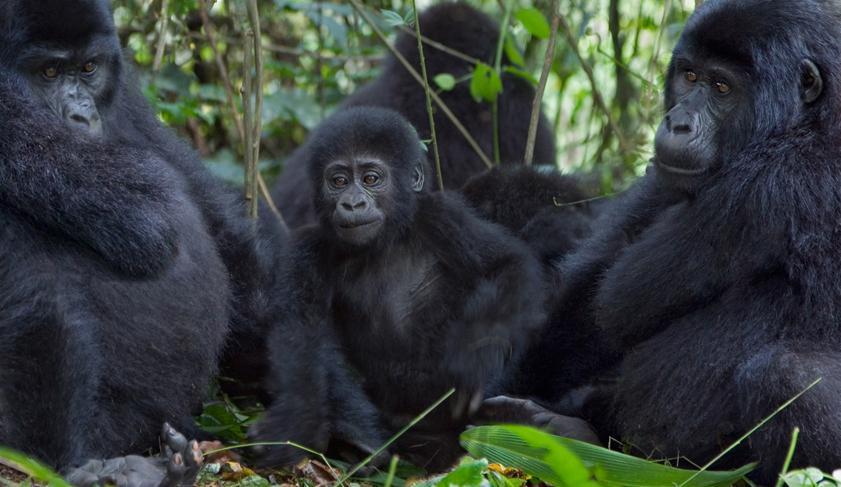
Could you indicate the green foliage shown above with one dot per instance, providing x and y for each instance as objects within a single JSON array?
[
  {"x": 485, "y": 83},
  {"x": 534, "y": 21},
  {"x": 36, "y": 471},
  {"x": 566, "y": 462}
]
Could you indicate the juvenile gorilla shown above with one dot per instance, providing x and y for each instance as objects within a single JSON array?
[
  {"x": 718, "y": 273},
  {"x": 418, "y": 293},
  {"x": 461, "y": 27},
  {"x": 124, "y": 260}
]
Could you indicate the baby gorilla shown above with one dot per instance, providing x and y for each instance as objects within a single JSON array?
[{"x": 419, "y": 294}]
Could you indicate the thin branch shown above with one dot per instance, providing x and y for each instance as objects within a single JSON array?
[
  {"x": 257, "y": 123},
  {"x": 427, "y": 91},
  {"x": 210, "y": 35},
  {"x": 412, "y": 71},
  {"x": 598, "y": 99},
  {"x": 441, "y": 47},
  {"x": 541, "y": 87},
  {"x": 159, "y": 52},
  {"x": 247, "y": 123}
]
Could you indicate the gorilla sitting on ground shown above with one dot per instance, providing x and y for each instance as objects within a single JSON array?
[
  {"x": 718, "y": 272},
  {"x": 463, "y": 28},
  {"x": 418, "y": 293},
  {"x": 125, "y": 260}
]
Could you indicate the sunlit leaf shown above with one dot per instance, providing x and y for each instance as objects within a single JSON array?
[
  {"x": 534, "y": 22},
  {"x": 485, "y": 84},
  {"x": 393, "y": 18}
]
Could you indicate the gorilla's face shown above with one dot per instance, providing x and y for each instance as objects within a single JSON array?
[
  {"x": 73, "y": 83},
  {"x": 355, "y": 189},
  {"x": 704, "y": 95}
]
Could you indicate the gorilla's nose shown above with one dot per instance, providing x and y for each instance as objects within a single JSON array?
[
  {"x": 680, "y": 124},
  {"x": 86, "y": 121},
  {"x": 355, "y": 205}
]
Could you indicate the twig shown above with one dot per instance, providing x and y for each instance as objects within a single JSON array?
[
  {"x": 503, "y": 30},
  {"x": 427, "y": 91},
  {"x": 541, "y": 87},
  {"x": 247, "y": 123},
  {"x": 159, "y": 52},
  {"x": 210, "y": 35},
  {"x": 413, "y": 72},
  {"x": 598, "y": 99},
  {"x": 257, "y": 122},
  {"x": 441, "y": 47}
]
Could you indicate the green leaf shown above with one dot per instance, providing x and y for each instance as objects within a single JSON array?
[
  {"x": 485, "y": 84},
  {"x": 534, "y": 21},
  {"x": 513, "y": 53},
  {"x": 445, "y": 81},
  {"x": 392, "y": 18},
  {"x": 809, "y": 477},
  {"x": 567, "y": 462},
  {"x": 33, "y": 468},
  {"x": 467, "y": 474}
]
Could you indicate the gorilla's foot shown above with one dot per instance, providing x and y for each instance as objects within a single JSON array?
[
  {"x": 176, "y": 466},
  {"x": 504, "y": 409}
]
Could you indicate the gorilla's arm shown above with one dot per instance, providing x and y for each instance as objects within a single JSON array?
[
  {"x": 315, "y": 398},
  {"x": 107, "y": 198},
  {"x": 507, "y": 303}
]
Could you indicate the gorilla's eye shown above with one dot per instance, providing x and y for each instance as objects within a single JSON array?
[
  {"x": 690, "y": 76},
  {"x": 50, "y": 72},
  {"x": 371, "y": 179},
  {"x": 722, "y": 87},
  {"x": 89, "y": 67},
  {"x": 340, "y": 181}
]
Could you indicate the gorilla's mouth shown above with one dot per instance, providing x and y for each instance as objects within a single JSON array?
[
  {"x": 680, "y": 171},
  {"x": 349, "y": 225}
]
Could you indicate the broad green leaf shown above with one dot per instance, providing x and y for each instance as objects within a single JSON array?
[
  {"x": 445, "y": 81},
  {"x": 809, "y": 477},
  {"x": 392, "y": 18},
  {"x": 537, "y": 453},
  {"x": 534, "y": 21},
  {"x": 513, "y": 53},
  {"x": 485, "y": 84}
]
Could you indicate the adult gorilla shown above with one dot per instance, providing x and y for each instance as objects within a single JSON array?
[
  {"x": 113, "y": 298},
  {"x": 719, "y": 272},
  {"x": 466, "y": 30}
]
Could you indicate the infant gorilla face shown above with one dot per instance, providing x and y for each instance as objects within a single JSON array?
[{"x": 354, "y": 187}]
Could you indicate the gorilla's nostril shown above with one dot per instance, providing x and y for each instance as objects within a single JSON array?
[{"x": 682, "y": 128}]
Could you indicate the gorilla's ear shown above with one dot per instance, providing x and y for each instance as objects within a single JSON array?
[
  {"x": 811, "y": 83},
  {"x": 417, "y": 178}
]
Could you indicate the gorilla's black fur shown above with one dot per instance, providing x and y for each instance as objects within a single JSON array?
[
  {"x": 548, "y": 210},
  {"x": 420, "y": 294},
  {"x": 718, "y": 273},
  {"x": 467, "y": 30},
  {"x": 124, "y": 260}
]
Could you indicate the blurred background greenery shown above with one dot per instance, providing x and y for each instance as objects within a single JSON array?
[{"x": 190, "y": 57}]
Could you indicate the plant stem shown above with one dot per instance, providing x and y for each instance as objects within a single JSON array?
[
  {"x": 541, "y": 87},
  {"x": 427, "y": 91},
  {"x": 789, "y": 456},
  {"x": 257, "y": 122},
  {"x": 503, "y": 30}
]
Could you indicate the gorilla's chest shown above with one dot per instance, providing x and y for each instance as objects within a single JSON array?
[{"x": 389, "y": 298}]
